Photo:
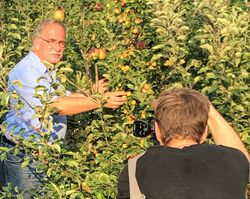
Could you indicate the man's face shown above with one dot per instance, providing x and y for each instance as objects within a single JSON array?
[{"x": 50, "y": 45}]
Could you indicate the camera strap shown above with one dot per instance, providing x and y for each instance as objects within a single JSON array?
[{"x": 135, "y": 192}]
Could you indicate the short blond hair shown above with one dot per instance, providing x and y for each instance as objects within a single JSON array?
[{"x": 181, "y": 113}]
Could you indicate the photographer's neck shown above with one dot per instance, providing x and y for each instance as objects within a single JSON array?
[{"x": 177, "y": 143}]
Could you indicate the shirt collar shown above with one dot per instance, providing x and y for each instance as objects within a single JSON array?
[{"x": 39, "y": 65}]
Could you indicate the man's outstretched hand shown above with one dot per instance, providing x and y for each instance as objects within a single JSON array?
[{"x": 115, "y": 99}]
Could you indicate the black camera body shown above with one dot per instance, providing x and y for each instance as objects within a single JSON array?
[{"x": 143, "y": 128}]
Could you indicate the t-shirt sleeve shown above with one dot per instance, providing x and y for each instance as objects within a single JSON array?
[{"x": 123, "y": 184}]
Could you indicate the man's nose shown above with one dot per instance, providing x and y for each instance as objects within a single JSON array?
[{"x": 58, "y": 47}]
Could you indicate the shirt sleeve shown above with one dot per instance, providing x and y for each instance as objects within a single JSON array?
[{"x": 123, "y": 184}]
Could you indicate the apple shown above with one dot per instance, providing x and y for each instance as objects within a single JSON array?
[
  {"x": 98, "y": 6},
  {"x": 102, "y": 53},
  {"x": 144, "y": 90},
  {"x": 140, "y": 44},
  {"x": 130, "y": 119},
  {"x": 117, "y": 10},
  {"x": 125, "y": 111},
  {"x": 123, "y": 2},
  {"x": 146, "y": 86},
  {"x": 133, "y": 102},
  {"x": 125, "y": 68},
  {"x": 143, "y": 115},
  {"x": 128, "y": 93},
  {"x": 59, "y": 14},
  {"x": 114, "y": 47},
  {"x": 137, "y": 20},
  {"x": 94, "y": 53},
  {"x": 135, "y": 30}
]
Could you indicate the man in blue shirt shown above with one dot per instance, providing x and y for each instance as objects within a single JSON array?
[{"x": 31, "y": 72}]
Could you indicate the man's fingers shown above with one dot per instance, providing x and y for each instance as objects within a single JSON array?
[{"x": 119, "y": 93}]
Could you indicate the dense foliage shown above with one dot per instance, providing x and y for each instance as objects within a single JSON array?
[{"x": 142, "y": 47}]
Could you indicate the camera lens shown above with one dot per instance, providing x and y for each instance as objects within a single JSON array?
[{"x": 142, "y": 128}]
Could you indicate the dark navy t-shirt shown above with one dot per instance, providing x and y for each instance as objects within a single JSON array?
[{"x": 199, "y": 171}]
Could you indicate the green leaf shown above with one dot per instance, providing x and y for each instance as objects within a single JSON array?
[
  {"x": 211, "y": 75},
  {"x": 223, "y": 21},
  {"x": 209, "y": 89},
  {"x": 41, "y": 88},
  {"x": 72, "y": 163},
  {"x": 106, "y": 117},
  {"x": 14, "y": 96},
  {"x": 157, "y": 22},
  {"x": 3, "y": 149},
  {"x": 40, "y": 78},
  {"x": 99, "y": 195},
  {"x": 57, "y": 189},
  {"x": 37, "y": 116},
  {"x": 62, "y": 78},
  {"x": 156, "y": 57},
  {"x": 239, "y": 108},
  {"x": 159, "y": 46},
  {"x": 196, "y": 79},
  {"x": 14, "y": 19},
  {"x": 184, "y": 28},
  {"x": 13, "y": 26},
  {"x": 208, "y": 47},
  {"x": 57, "y": 147},
  {"x": 49, "y": 171},
  {"x": 18, "y": 83},
  {"x": 16, "y": 36},
  {"x": 70, "y": 192},
  {"x": 130, "y": 86},
  {"x": 65, "y": 70},
  {"x": 244, "y": 136},
  {"x": 1, "y": 51},
  {"x": 26, "y": 162}
]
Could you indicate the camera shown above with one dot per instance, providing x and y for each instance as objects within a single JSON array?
[{"x": 143, "y": 128}]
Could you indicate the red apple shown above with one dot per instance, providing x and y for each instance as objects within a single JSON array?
[
  {"x": 94, "y": 53},
  {"x": 98, "y": 6},
  {"x": 140, "y": 44}
]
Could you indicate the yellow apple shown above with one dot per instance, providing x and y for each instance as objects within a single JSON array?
[
  {"x": 137, "y": 20},
  {"x": 102, "y": 53},
  {"x": 59, "y": 14},
  {"x": 135, "y": 30}
]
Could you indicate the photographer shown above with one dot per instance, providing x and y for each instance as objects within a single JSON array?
[{"x": 182, "y": 166}]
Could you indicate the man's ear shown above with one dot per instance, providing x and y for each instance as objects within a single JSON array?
[
  {"x": 36, "y": 44},
  {"x": 204, "y": 135},
  {"x": 158, "y": 134}
]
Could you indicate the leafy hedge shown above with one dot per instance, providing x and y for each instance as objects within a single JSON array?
[{"x": 150, "y": 46}]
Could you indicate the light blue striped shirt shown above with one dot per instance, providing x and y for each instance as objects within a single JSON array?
[{"x": 29, "y": 72}]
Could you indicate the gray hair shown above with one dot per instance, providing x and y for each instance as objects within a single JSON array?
[{"x": 39, "y": 29}]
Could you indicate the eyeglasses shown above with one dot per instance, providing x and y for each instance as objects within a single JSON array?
[{"x": 52, "y": 43}]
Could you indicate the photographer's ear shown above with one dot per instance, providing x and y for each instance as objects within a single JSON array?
[
  {"x": 158, "y": 134},
  {"x": 204, "y": 135}
]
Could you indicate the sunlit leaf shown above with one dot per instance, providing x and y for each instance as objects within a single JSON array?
[
  {"x": 18, "y": 83},
  {"x": 25, "y": 162}
]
